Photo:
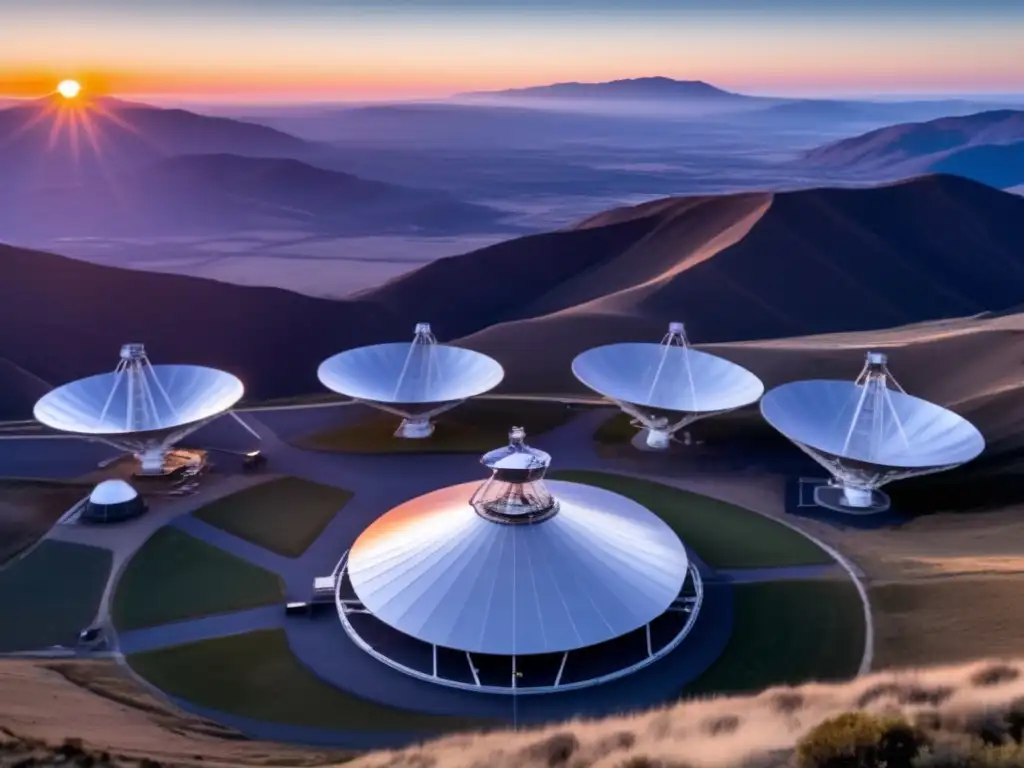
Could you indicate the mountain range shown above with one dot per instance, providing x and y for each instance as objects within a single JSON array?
[
  {"x": 188, "y": 195},
  {"x": 987, "y": 146},
  {"x": 631, "y": 88},
  {"x": 51, "y": 140},
  {"x": 744, "y": 268},
  {"x": 111, "y": 168}
]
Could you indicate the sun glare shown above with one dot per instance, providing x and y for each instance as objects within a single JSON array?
[{"x": 68, "y": 88}]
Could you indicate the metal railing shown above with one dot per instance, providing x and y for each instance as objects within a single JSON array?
[{"x": 695, "y": 602}]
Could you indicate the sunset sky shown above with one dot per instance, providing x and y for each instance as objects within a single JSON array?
[{"x": 362, "y": 49}]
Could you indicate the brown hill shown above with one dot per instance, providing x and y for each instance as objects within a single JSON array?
[
  {"x": 61, "y": 319},
  {"x": 734, "y": 267},
  {"x": 761, "y": 266}
]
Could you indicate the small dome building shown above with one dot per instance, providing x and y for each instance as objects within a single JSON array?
[{"x": 112, "y": 501}]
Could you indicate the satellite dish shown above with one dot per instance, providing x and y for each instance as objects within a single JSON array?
[
  {"x": 416, "y": 381},
  {"x": 140, "y": 408},
  {"x": 666, "y": 386},
  {"x": 867, "y": 433}
]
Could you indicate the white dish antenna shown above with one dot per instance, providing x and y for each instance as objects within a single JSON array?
[
  {"x": 869, "y": 432},
  {"x": 666, "y": 386},
  {"x": 416, "y": 381},
  {"x": 140, "y": 408}
]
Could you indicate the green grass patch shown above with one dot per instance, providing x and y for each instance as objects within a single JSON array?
[
  {"x": 473, "y": 427},
  {"x": 52, "y": 593},
  {"x": 722, "y": 534},
  {"x": 175, "y": 576},
  {"x": 256, "y": 675},
  {"x": 787, "y": 633},
  {"x": 284, "y": 515}
]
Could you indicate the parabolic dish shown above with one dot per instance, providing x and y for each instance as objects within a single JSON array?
[
  {"x": 405, "y": 374},
  {"x": 196, "y": 393},
  {"x": 820, "y": 413},
  {"x": 434, "y": 569},
  {"x": 667, "y": 378}
]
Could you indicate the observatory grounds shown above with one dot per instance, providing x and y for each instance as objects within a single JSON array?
[{"x": 191, "y": 596}]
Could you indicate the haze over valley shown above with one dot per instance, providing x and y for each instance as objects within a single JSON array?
[{"x": 330, "y": 200}]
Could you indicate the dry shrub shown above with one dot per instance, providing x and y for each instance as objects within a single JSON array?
[
  {"x": 997, "y": 674},
  {"x": 787, "y": 702},
  {"x": 554, "y": 750},
  {"x": 968, "y": 715},
  {"x": 904, "y": 694},
  {"x": 860, "y": 740},
  {"x": 721, "y": 725}
]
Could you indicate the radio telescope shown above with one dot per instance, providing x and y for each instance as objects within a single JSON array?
[
  {"x": 140, "y": 408},
  {"x": 521, "y": 585},
  {"x": 416, "y": 381},
  {"x": 867, "y": 433},
  {"x": 666, "y": 386}
]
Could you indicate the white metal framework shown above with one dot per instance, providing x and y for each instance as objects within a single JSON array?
[
  {"x": 868, "y": 432},
  {"x": 417, "y": 381},
  {"x": 515, "y": 493},
  {"x": 668, "y": 386},
  {"x": 686, "y": 606},
  {"x": 140, "y": 408}
]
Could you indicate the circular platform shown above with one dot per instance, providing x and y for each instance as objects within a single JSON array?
[
  {"x": 597, "y": 591},
  {"x": 832, "y": 497}
]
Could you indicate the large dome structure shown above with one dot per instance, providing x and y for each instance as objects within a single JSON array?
[
  {"x": 140, "y": 408},
  {"x": 668, "y": 386},
  {"x": 518, "y": 583},
  {"x": 417, "y": 380},
  {"x": 868, "y": 432}
]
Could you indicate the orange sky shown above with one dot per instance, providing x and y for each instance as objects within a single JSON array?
[{"x": 349, "y": 49}]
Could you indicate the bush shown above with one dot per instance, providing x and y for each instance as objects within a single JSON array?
[{"x": 860, "y": 740}]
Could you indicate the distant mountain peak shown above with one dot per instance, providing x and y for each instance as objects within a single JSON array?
[{"x": 656, "y": 86}]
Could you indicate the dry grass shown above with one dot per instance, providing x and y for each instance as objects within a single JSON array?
[
  {"x": 947, "y": 620},
  {"x": 95, "y": 702},
  {"x": 959, "y": 708},
  {"x": 944, "y": 588}
]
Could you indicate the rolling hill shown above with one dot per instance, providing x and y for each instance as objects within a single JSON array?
[
  {"x": 744, "y": 268},
  {"x": 203, "y": 194},
  {"x": 917, "y": 147},
  {"x": 51, "y": 141}
]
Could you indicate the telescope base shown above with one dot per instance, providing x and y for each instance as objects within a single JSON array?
[
  {"x": 415, "y": 429},
  {"x": 652, "y": 440},
  {"x": 838, "y": 499}
]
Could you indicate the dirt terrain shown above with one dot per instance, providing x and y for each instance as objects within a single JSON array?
[{"x": 46, "y": 702}]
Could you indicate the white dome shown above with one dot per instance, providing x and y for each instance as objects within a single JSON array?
[
  {"x": 436, "y": 570},
  {"x": 111, "y": 492}
]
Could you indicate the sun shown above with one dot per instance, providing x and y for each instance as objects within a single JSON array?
[{"x": 69, "y": 89}]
